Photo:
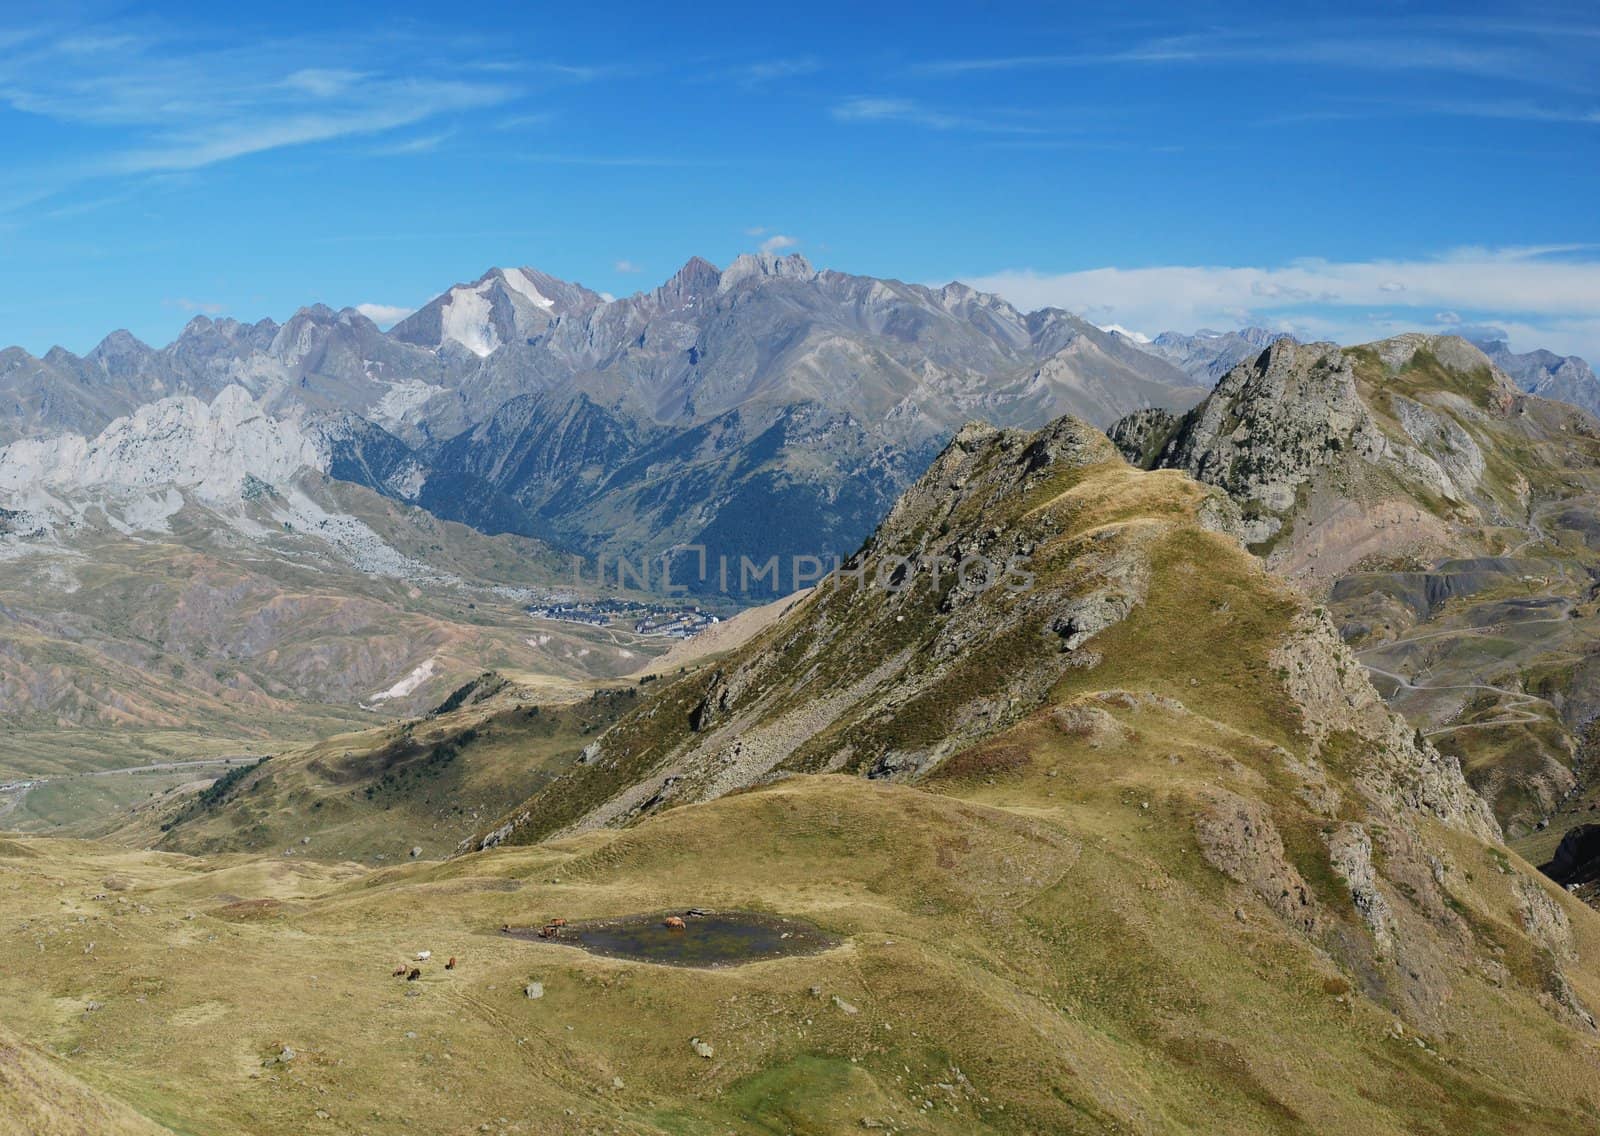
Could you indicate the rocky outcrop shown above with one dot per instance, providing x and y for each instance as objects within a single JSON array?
[
  {"x": 1238, "y": 838},
  {"x": 1143, "y": 435},
  {"x": 1337, "y": 702},
  {"x": 1298, "y": 429},
  {"x": 1270, "y": 426},
  {"x": 1350, "y": 856}
]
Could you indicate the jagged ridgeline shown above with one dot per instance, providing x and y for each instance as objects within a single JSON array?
[
  {"x": 764, "y": 409},
  {"x": 1447, "y": 519},
  {"x": 1122, "y": 839},
  {"x": 993, "y": 589}
]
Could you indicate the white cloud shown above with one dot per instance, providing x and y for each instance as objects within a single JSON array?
[
  {"x": 1375, "y": 48},
  {"x": 778, "y": 242},
  {"x": 769, "y": 70},
  {"x": 424, "y": 144},
  {"x": 384, "y": 314},
  {"x": 1546, "y": 296},
  {"x": 627, "y": 266},
  {"x": 177, "y": 106},
  {"x": 912, "y": 113},
  {"x": 323, "y": 83}
]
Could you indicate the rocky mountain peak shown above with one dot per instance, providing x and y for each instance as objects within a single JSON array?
[
  {"x": 697, "y": 277},
  {"x": 119, "y": 343},
  {"x": 766, "y": 265}
]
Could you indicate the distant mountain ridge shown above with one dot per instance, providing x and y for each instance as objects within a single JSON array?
[
  {"x": 1565, "y": 378},
  {"x": 1207, "y": 355},
  {"x": 768, "y": 408}
]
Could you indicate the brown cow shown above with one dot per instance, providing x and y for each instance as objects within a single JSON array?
[
  {"x": 414, "y": 975},
  {"x": 451, "y": 965},
  {"x": 675, "y": 923}
]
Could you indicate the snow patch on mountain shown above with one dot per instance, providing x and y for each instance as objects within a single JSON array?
[
  {"x": 466, "y": 319},
  {"x": 518, "y": 281}
]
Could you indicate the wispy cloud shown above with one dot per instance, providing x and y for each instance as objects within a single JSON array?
[
  {"x": 911, "y": 112},
  {"x": 778, "y": 242},
  {"x": 425, "y": 144},
  {"x": 1378, "y": 50},
  {"x": 762, "y": 71},
  {"x": 384, "y": 107},
  {"x": 525, "y": 120},
  {"x": 1548, "y": 294},
  {"x": 177, "y": 105},
  {"x": 627, "y": 266}
]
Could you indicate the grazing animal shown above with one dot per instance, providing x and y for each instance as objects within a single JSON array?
[
  {"x": 505, "y": 928},
  {"x": 558, "y": 922},
  {"x": 399, "y": 972},
  {"x": 675, "y": 923},
  {"x": 451, "y": 965},
  {"x": 414, "y": 975},
  {"x": 424, "y": 956}
]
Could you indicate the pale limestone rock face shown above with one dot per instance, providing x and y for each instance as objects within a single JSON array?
[
  {"x": 207, "y": 448},
  {"x": 1350, "y": 856},
  {"x": 1268, "y": 428}
]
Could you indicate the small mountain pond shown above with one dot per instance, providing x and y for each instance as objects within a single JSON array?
[{"x": 705, "y": 939}]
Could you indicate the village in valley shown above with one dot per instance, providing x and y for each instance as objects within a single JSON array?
[{"x": 673, "y": 621}]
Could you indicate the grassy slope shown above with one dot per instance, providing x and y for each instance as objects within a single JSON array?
[
  {"x": 376, "y": 794},
  {"x": 1034, "y": 937},
  {"x": 1055, "y": 958},
  {"x": 115, "y": 647}
]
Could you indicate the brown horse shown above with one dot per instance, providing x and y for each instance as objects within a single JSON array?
[
  {"x": 414, "y": 975},
  {"x": 399, "y": 972},
  {"x": 451, "y": 965},
  {"x": 674, "y": 923}
]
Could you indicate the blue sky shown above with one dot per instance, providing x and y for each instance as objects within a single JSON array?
[{"x": 1341, "y": 171}]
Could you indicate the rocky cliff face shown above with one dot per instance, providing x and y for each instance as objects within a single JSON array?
[
  {"x": 1441, "y": 513},
  {"x": 1303, "y": 428}
]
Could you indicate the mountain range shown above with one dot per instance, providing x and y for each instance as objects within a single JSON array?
[{"x": 768, "y": 408}]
